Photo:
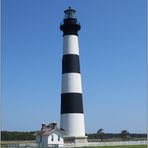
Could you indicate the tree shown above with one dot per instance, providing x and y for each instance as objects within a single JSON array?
[
  {"x": 100, "y": 134},
  {"x": 124, "y": 135}
]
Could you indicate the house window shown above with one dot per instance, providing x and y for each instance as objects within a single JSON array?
[
  {"x": 51, "y": 137},
  {"x": 58, "y": 138},
  {"x": 40, "y": 138}
]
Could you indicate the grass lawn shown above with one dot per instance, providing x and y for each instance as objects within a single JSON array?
[
  {"x": 130, "y": 146},
  {"x": 127, "y": 146}
]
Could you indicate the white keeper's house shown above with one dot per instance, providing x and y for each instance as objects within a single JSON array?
[{"x": 50, "y": 135}]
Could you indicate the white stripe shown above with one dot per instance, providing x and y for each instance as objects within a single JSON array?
[
  {"x": 70, "y": 44},
  {"x": 71, "y": 82},
  {"x": 73, "y": 124}
]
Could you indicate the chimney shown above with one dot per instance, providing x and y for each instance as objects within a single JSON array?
[
  {"x": 54, "y": 125},
  {"x": 43, "y": 126}
]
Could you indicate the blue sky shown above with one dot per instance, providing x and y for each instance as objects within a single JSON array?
[{"x": 112, "y": 44}]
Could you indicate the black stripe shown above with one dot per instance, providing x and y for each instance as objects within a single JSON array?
[
  {"x": 70, "y": 63},
  {"x": 70, "y": 27},
  {"x": 71, "y": 103}
]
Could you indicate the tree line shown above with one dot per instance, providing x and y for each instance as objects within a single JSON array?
[
  {"x": 10, "y": 136},
  {"x": 124, "y": 135},
  {"x": 100, "y": 135},
  {"x": 115, "y": 135}
]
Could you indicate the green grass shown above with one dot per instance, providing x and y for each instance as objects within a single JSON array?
[{"x": 127, "y": 146}]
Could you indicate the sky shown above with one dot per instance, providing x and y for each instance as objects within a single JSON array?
[{"x": 112, "y": 43}]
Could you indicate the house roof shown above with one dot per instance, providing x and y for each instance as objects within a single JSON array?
[{"x": 49, "y": 129}]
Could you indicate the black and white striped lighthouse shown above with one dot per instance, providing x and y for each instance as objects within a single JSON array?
[{"x": 72, "y": 115}]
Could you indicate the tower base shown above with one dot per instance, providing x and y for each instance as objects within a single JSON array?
[{"x": 75, "y": 139}]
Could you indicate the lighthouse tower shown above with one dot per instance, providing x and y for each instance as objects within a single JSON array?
[{"x": 72, "y": 115}]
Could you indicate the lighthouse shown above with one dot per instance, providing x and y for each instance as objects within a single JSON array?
[{"x": 72, "y": 113}]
